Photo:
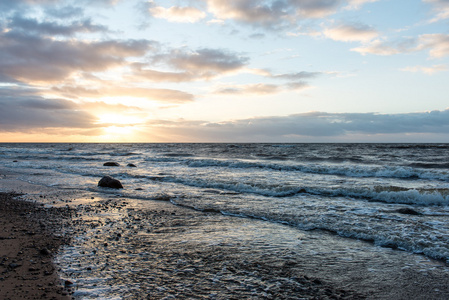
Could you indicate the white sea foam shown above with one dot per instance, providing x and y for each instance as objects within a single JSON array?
[{"x": 351, "y": 190}]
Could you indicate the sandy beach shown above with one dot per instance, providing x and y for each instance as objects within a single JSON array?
[{"x": 29, "y": 239}]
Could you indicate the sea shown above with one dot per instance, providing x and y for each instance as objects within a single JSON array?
[{"x": 388, "y": 196}]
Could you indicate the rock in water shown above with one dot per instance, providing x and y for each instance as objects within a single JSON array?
[
  {"x": 108, "y": 181},
  {"x": 132, "y": 166},
  {"x": 111, "y": 164},
  {"x": 408, "y": 211}
]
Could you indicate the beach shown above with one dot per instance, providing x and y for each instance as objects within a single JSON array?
[
  {"x": 29, "y": 240},
  {"x": 32, "y": 236},
  {"x": 167, "y": 237},
  {"x": 116, "y": 249}
]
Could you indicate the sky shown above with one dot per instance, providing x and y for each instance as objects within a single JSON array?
[{"x": 224, "y": 71}]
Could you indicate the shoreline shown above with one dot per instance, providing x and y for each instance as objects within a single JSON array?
[
  {"x": 114, "y": 246},
  {"x": 31, "y": 236}
]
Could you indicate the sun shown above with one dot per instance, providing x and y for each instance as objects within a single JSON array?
[{"x": 119, "y": 127}]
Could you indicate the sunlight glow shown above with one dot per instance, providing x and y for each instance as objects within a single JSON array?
[
  {"x": 118, "y": 119},
  {"x": 118, "y": 134}
]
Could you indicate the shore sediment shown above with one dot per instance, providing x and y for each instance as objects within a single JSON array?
[
  {"x": 165, "y": 265},
  {"x": 113, "y": 246},
  {"x": 30, "y": 236}
]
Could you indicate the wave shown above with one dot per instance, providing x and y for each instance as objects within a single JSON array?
[
  {"x": 390, "y": 235},
  {"x": 177, "y": 154},
  {"x": 430, "y": 165},
  {"x": 348, "y": 170},
  {"x": 386, "y": 194},
  {"x": 414, "y": 146}
]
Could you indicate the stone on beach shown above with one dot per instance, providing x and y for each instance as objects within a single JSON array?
[
  {"x": 108, "y": 181},
  {"x": 111, "y": 164}
]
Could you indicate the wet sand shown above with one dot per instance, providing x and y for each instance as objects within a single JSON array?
[{"x": 30, "y": 236}]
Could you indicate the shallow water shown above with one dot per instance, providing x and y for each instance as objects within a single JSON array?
[{"x": 138, "y": 249}]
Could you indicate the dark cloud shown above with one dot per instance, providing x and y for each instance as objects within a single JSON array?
[
  {"x": 315, "y": 125},
  {"x": 30, "y": 25},
  {"x": 33, "y": 58},
  {"x": 22, "y": 110}
]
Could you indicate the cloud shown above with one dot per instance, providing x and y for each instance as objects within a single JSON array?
[
  {"x": 271, "y": 14},
  {"x": 437, "y": 44},
  {"x": 109, "y": 90},
  {"x": 441, "y": 8},
  {"x": 52, "y": 28},
  {"x": 310, "y": 126},
  {"x": 178, "y": 14},
  {"x": 64, "y": 12},
  {"x": 296, "y": 76},
  {"x": 22, "y": 110},
  {"x": 249, "y": 89},
  {"x": 351, "y": 33},
  {"x": 356, "y": 4},
  {"x": 212, "y": 60},
  {"x": 9, "y": 5},
  {"x": 189, "y": 65},
  {"x": 295, "y": 81},
  {"x": 426, "y": 70},
  {"x": 40, "y": 59},
  {"x": 140, "y": 72},
  {"x": 379, "y": 47}
]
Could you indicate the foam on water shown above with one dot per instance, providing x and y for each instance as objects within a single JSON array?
[{"x": 351, "y": 190}]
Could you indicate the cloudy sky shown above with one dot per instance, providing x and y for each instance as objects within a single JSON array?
[{"x": 224, "y": 71}]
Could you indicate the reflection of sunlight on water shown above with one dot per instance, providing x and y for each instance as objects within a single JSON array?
[{"x": 124, "y": 248}]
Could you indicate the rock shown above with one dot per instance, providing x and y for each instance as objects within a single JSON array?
[
  {"x": 109, "y": 182},
  {"x": 44, "y": 251},
  {"x": 111, "y": 164},
  {"x": 14, "y": 265},
  {"x": 68, "y": 282},
  {"x": 408, "y": 211},
  {"x": 132, "y": 165}
]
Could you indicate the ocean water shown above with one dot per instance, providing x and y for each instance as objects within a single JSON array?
[
  {"x": 352, "y": 190},
  {"x": 392, "y": 196}
]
